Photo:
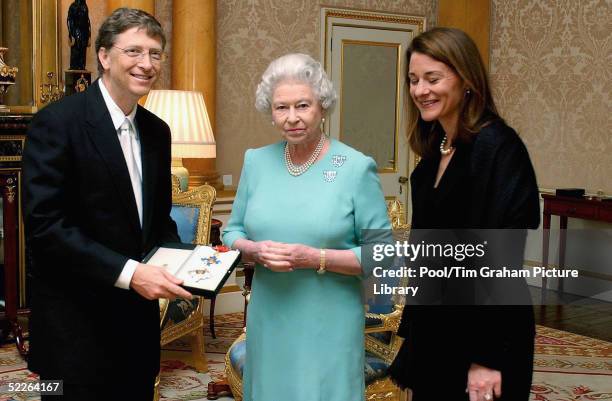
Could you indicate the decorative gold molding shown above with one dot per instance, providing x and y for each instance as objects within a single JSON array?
[
  {"x": 375, "y": 16},
  {"x": 203, "y": 197},
  {"x": 8, "y": 138},
  {"x": 419, "y": 22},
  {"x": 382, "y": 390},
  {"x": 234, "y": 379},
  {"x": 10, "y": 190},
  {"x": 46, "y": 45},
  {"x": 185, "y": 326}
]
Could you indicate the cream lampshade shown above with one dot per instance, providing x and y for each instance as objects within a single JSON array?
[{"x": 192, "y": 135}]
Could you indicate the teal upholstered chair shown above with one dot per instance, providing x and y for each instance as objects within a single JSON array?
[
  {"x": 192, "y": 212},
  {"x": 383, "y": 315}
]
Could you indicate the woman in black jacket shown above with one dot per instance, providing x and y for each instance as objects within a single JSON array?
[{"x": 474, "y": 173}]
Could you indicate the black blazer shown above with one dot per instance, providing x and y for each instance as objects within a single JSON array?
[
  {"x": 495, "y": 188},
  {"x": 82, "y": 225}
]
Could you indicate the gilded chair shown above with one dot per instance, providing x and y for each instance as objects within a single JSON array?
[
  {"x": 381, "y": 342},
  {"x": 383, "y": 315},
  {"x": 192, "y": 212}
]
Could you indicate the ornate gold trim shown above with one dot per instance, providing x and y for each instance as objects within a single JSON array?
[
  {"x": 10, "y": 189},
  {"x": 203, "y": 197},
  {"x": 46, "y": 22},
  {"x": 176, "y": 184},
  {"x": 382, "y": 389},
  {"x": 233, "y": 377},
  {"x": 194, "y": 321},
  {"x": 404, "y": 19},
  {"x": 375, "y": 16},
  {"x": 7, "y": 138},
  {"x": 397, "y": 215}
]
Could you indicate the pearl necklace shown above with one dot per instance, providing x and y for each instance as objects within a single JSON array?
[
  {"x": 445, "y": 151},
  {"x": 300, "y": 169}
]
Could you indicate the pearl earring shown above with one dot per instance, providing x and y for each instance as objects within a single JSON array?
[{"x": 273, "y": 123}]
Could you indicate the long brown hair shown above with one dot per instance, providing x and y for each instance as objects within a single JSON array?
[{"x": 458, "y": 51}]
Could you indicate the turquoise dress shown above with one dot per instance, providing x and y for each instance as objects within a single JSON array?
[{"x": 305, "y": 331}]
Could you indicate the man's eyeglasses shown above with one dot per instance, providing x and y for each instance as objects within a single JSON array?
[{"x": 157, "y": 56}]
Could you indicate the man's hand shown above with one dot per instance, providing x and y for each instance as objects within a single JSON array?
[{"x": 153, "y": 282}]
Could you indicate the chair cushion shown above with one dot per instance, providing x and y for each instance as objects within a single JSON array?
[
  {"x": 186, "y": 218},
  {"x": 179, "y": 310},
  {"x": 373, "y": 321},
  {"x": 237, "y": 355},
  {"x": 384, "y": 337},
  {"x": 375, "y": 368}
]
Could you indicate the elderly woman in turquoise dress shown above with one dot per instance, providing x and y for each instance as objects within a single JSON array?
[{"x": 299, "y": 212}]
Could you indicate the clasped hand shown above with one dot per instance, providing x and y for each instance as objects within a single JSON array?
[{"x": 281, "y": 257}]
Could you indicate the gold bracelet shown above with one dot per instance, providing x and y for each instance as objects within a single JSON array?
[{"x": 321, "y": 269}]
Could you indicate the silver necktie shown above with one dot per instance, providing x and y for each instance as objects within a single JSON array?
[{"x": 127, "y": 137}]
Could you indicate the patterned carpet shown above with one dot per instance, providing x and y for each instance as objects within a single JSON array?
[
  {"x": 568, "y": 367},
  {"x": 179, "y": 380}
]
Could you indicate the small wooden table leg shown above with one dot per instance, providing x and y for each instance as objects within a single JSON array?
[
  {"x": 218, "y": 389},
  {"x": 545, "y": 243},
  {"x": 562, "y": 242},
  {"x": 212, "y": 316}
]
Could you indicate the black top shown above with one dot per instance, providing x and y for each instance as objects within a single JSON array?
[
  {"x": 445, "y": 205},
  {"x": 489, "y": 183}
]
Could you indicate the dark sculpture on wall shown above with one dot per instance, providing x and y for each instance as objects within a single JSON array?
[{"x": 79, "y": 32}]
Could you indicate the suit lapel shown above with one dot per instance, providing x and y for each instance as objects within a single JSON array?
[
  {"x": 149, "y": 155},
  {"x": 104, "y": 136}
]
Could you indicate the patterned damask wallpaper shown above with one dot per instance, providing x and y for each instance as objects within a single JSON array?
[
  {"x": 550, "y": 70},
  {"x": 252, "y": 33}
]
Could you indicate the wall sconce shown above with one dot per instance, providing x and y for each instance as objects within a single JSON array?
[{"x": 192, "y": 135}]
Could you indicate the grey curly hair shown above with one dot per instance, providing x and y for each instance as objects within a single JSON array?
[{"x": 299, "y": 67}]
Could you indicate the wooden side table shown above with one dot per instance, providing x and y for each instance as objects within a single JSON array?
[{"x": 564, "y": 207}]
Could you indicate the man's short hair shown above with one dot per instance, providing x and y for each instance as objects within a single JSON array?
[{"x": 120, "y": 21}]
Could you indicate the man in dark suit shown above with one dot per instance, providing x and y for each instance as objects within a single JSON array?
[{"x": 97, "y": 199}]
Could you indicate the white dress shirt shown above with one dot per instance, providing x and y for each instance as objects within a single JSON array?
[{"x": 118, "y": 118}]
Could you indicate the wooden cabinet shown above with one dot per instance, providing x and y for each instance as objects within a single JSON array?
[
  {"x": 564, "y": 207},
  {"x": 12, "y": 139}
]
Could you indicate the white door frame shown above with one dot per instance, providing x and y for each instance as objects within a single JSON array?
[{"x": 412, "y": 25}]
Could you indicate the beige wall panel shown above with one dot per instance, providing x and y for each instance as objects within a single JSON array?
[
  {"x": 550, "y": 70},
  {"x": 249, "y": 36},
  {"x": 147, "y": 5},
  {"x": 471, "y": 16}
]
